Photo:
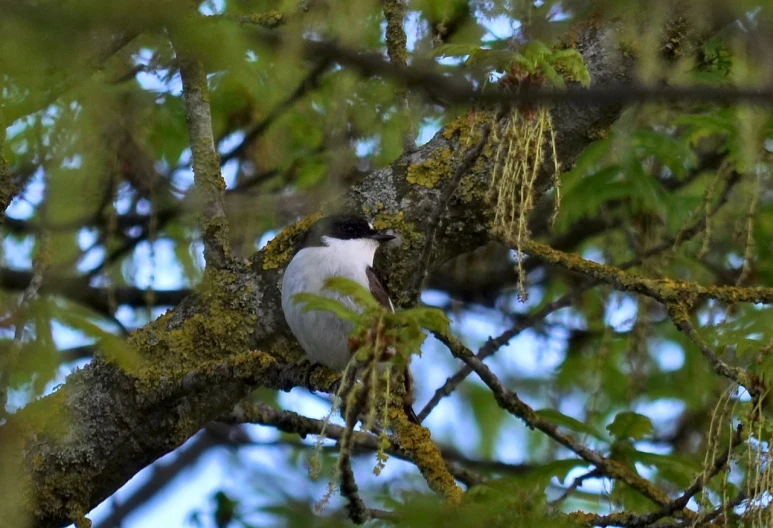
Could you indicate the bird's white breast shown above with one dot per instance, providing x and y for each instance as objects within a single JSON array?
[{"x": 323, "y": 335}]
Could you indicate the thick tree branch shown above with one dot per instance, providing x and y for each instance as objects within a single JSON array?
[{"x": 457, "y": 89}]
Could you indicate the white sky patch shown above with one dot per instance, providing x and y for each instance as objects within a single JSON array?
[
  {"x": 427, "y": 131},
  {"x": 530, "y": 355},
  {"x": 229, "y": 172},
  {"x": 669, "y": 355},
  {"x": 87, "y": 237},
  {"x": 365, "y": 147},
  {"x": 267, "y": 237},
  {"x": 166, "y": 273},
  {"x": 212, "y": 7},
  {"x": 620, "y": 312},
  {"x": 434, "y": 297},
  {"x": 660, "y": 411},
  {"x": 499, "y": 28},
  {"x": 18, "y": 255},
  {"x": 91, "y": 259},
  {"x": 183, "y": 177}
]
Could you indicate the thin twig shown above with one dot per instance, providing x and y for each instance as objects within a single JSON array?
[
  {"x": 291, "y": 422},
  {"x": 708, "y": 516},
  {"x": 738, "y": 375},
  {"x": 356, "y": 508},
  {"x": 679, "y": 503},
  {"x": 594, "y": 473}
]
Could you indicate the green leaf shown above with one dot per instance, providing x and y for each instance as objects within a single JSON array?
[
  {"x": 574, "y": 424},
  {"x": 454, "y": 50},
  {"x": 356, "y": 291},
  {"x": 111, "y": 346},
  {"x": 488, "y": 417},
  {"x": 590, "y": 160},
  {"x": 571, "y": 65},
  {"x": 632, "y": 425},
  {"x": 429, "y": 318},
  {"x": 586, "y": 196},
  {"x": 313, "y": 302},
  {"x": 676, "y": 154},
  {"x": 677, "y": 469},
  {"x": 556, "y": 468}
]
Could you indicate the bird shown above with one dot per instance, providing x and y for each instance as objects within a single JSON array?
[{"x": 339, "y": 245}]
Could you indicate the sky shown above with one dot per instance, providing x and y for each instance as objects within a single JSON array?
[{"x": 528, "y": 355}]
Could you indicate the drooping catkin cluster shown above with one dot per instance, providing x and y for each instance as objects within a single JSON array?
[
  {"x": 365, "y": 384},
  {"x": 722, "y": 414},
  {"x": 524, "y": 142},
  {"x": 758, "y": 510}
]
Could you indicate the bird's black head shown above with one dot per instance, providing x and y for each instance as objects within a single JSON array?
[{"x": 343, "y": 227}]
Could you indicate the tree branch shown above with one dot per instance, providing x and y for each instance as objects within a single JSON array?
[
  {"x": 510, "y": 401},
  {"x": 209, "y": 182}
]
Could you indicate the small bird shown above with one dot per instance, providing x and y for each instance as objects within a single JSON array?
[{"x": 341, "y": 245}]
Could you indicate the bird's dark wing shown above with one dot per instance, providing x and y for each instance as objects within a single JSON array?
[
  {"x": 380, "y": 294},
  {"x": 378, "y": 290}
]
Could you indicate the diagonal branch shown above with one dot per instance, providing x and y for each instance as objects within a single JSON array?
[
  {"x": 457, "y": 89},
  {"x": 58, "y": 88},
  {"x": 510, "y": 401},
  {"x": 310, "y": 82}
]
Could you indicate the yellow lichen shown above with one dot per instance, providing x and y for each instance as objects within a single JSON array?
[
  {"x": 277, "y": 253},
  {"x": 457, "y": 125},
  {"x": 219, "y": 329},
  {"x": 269, "y": 19},
  {"x": 428, "y": 174},
  {"x": 417, "y": 441}
]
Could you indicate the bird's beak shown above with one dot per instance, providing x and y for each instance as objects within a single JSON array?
[{"x": 381, "y": 237}]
